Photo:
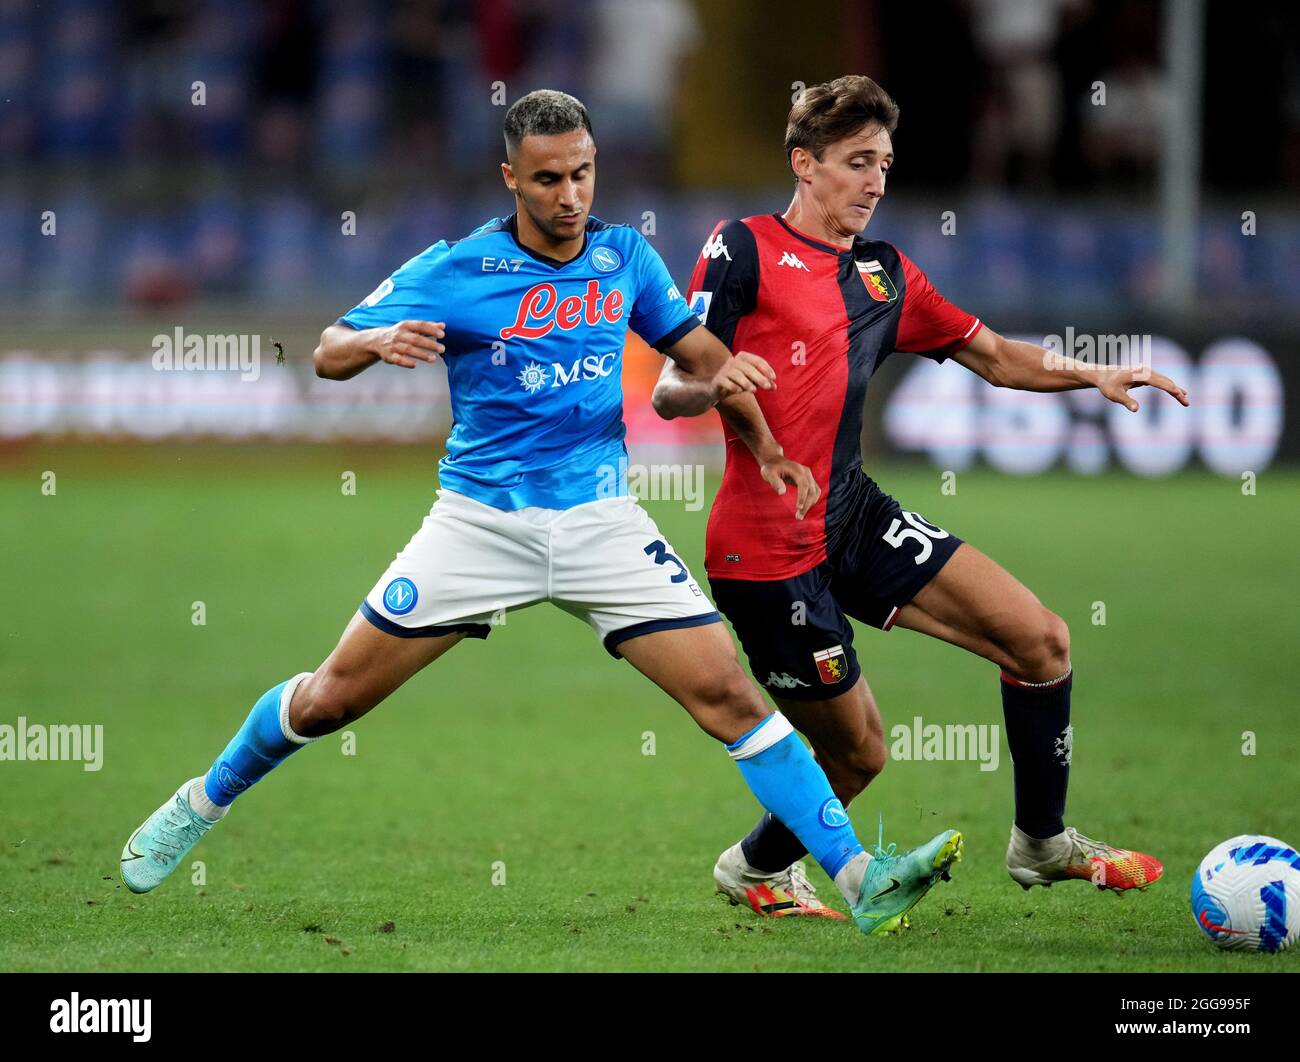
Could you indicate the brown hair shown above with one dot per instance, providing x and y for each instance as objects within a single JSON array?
[{"x": 837, "y": 109}]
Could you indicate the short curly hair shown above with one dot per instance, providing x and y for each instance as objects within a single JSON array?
[{"x": 545, "y": 112}]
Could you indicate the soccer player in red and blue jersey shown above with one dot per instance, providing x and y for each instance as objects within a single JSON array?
[{"x": 809, "y": 282}]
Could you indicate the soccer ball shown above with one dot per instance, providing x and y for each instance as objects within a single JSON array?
[{"x": 1246, "y": 894}]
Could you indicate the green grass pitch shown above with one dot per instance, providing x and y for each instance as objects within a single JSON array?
[{"x": 526, "y": 752}]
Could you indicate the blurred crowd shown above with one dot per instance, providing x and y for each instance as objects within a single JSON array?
[
  {"x": 292, "y": 86},
  {"x": 212, "y": 148}
]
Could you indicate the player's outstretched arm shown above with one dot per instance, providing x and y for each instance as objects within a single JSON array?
[
  {"x": 344, "y": 351},
  {"x": 1028, "y": 367},
  {"x": 686, "y": 389}
]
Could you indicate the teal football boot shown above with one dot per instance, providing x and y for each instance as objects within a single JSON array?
[
  {"x": 158, "y": 846},
  {"x": 893, "y": 885}
]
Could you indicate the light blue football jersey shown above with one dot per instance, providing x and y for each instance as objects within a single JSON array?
[{"x": 534, "y": 353}]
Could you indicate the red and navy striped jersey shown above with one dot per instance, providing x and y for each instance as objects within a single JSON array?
[{"x": 825, "y": 317}]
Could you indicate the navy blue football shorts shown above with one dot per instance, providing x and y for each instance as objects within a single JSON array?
[{"x": 796, "y": 631}]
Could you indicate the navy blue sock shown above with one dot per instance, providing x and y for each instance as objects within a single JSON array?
[
  {"x": 770, "y": 847},
  {"x": 1037, "y": 716}
]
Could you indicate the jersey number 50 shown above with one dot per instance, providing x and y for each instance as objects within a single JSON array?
[{"x": 920, "y": 531}]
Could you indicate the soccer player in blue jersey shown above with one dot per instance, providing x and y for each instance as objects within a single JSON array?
[{"x": 530, "y": 313}]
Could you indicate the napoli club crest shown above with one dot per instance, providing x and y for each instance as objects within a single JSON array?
[
  {"x": 400, "y": 596},
  {"x": 605, "y": 259}
]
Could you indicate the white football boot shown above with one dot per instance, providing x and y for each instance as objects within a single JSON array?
[
  {"x": 780, "y": 895},
  {"x": 1071, "y": 855}
]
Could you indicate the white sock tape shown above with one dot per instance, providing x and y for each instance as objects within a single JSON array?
[
  {"x": 286, "y": 699},
  {"x": 772, "y": 730}
]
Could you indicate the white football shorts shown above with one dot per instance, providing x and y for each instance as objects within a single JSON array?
[{"x": 470, "y": 564}]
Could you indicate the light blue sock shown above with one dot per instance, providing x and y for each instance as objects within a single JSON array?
[
  {"x": 263, "y": 742},
  {"x": 788, "y": 782}
]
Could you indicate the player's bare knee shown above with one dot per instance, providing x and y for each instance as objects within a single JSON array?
[
  {"x": 326, "y": 702},
  {"x": 727, "y": 705},
  {"x": 1051, "y": 648},
  {"x": 1042, "y": 652},
  {"x": 852, "y": 770},
  {"x": 1057, "y": 644},
  {"x": 872, "y": 759}
]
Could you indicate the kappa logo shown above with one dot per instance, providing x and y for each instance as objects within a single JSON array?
[
  {"x": 783, "y": 681},
  {"x": 788, "y": 259},
  {"x": 715, "y": 248},
  {"x": 400, "y": 596},
  {"x": 832, "y": 664}
]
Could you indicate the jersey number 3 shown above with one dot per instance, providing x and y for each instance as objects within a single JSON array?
[{"x": 658, "y": 552}]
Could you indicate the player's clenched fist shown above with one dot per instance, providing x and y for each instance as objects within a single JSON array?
[
  {"x": 407, "y": 342},
  {"x": 743, "y": 372}
]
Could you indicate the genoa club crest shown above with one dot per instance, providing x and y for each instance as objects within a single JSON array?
[
  {"x": 832, "y": 664},
  {"x": 877, "y": 281}
]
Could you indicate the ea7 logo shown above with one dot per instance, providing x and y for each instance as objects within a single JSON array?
[
  {"x": 502, "y": 265},
  {"x": 788, "y": 259},
  {"x": 715, "y": 248}
]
